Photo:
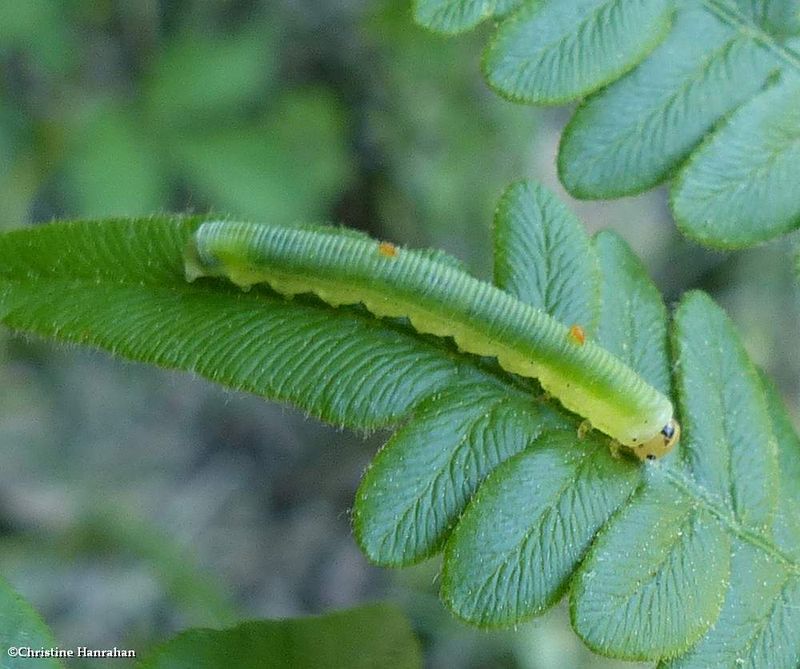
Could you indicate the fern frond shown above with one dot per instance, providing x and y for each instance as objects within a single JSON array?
[{"x": 704, "y": 92}]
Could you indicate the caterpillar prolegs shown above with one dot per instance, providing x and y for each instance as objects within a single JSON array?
[{"x": 441, "y": 299}]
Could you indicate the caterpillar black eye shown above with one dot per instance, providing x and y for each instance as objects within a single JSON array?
[
  {"x": 672, "y": 433},
  {"x": 661, "y": 444}
]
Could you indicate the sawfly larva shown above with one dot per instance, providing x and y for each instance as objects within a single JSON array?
[{"x": 439, "y": 298}]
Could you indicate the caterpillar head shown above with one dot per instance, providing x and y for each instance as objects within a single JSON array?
[{"x": 661, "y": 444}]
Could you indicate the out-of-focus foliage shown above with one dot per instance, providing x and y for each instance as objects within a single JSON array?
[
  {"x": 368, "y": 637},
  {"x": 183, "y": 116},
  {"x": 20, "y": 625},
  {"x": 450, "y": 147}
]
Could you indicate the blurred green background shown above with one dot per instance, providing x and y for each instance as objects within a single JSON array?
[{"x": 136, "y": 502}]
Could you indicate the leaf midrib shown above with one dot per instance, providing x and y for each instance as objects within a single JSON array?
[
  {"x": 446, "y": 12},
  {"x": 765, "y": 621},
  {"x": 558, "y": 42},
  {"x": 549, "y": 508},
  {"x": 696, "y": 75},
  {"x": 657, "y": 567},
  {"x": 413, "y": 507},
  {"x": 699, "y": 494},
  {"x": 175, "y": 287},
  {"x": 733, "y": 18}
]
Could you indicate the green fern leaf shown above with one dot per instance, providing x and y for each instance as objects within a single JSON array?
[
  {"x": 526, "y": 530},
  {"x": 120, "y": 286},
  {"x": 702, "y": 518},
  {"x": 655, "y": 578},
  {"x": 706, "y": 91},
  {"x": 542, "y": 255},
  {"x": 780, "y": 17},
  {"x": 418, "y": 485},
  {"x": 760, "y": 619},
  {"x": 746, "y": 171},
  {"x": 740, "y": 469},
  {"x": 455, "y": 16},
  {"x": 635, "y": 133},
  {"x": 759, "y": 625},
  {"x": 553, "y": 52},
  {"x": 633, "y": 318}
]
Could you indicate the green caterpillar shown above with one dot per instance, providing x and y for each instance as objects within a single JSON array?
[{"x": 440, "y": 299}]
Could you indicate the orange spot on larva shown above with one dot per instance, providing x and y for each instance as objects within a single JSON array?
[
  {"x": 577, "y": 335},
  {"x": 387, "y": 249}
]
